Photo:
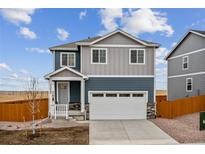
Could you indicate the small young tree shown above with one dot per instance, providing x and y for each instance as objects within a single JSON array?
[{"x": 34, "y": 96}]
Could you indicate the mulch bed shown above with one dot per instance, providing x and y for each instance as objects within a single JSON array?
[
  {"x": 184, "y": 129},
  {"x": 50, "y": 136}
]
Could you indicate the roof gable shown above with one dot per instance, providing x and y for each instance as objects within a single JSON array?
[
  {"x": 195, "y": 32},
  {"x": 65, "y": 72}
]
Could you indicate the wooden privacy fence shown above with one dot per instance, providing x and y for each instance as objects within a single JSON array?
[
  {"x": 172, "y": 109},
  {"x": 21, "y": 110}
]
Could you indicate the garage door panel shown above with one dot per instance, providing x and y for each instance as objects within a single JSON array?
[{"x": 118, "y": 107}]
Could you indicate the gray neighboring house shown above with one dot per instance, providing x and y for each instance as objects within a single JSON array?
[
  {"x": 186, "y": 66},
  {"x": 112, "y": 76}
]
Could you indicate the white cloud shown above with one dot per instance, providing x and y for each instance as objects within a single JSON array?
[
  {"x": 146, "y": 20},
  {"x": 136, "y": 21},
  {"x": 82, "y": 14},
  {"x": 109, "y": 17},
  {"x": 62, "y": 34},
  {"x": 38, "y": 50},
  {"x": 27, "y": 33},
  {"x": 13, "y": 76},
  {"x": 23, "y": 71},
  {"x": 160, "y": 55},
  {"x": 4, "y": 66},
  {"x": 17, "y": 16}
]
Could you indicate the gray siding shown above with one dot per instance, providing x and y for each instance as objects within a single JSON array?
[
  {"x": 120, "y": 84},
  {"x": 192, "y": 42},
  {"x": 57, "y": 59},
  {"x": 117, "y": 63},
  {"x": 177, "y": 87},
  {"x": 196, "y": 64},
  {"x": 65, "y": 73},
  {"x": 118, "y": 38}
]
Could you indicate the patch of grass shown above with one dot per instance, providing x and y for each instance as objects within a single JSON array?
[{"x": 50, "y": 136}]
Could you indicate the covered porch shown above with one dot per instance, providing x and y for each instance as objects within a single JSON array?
[{"x": 66, "y": 86}]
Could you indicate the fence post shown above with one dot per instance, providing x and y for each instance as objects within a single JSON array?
[{"x": 55, "y": 111}]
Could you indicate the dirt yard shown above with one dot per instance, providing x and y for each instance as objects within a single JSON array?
[
  {"x": 62, "y": 136},
  {"x": 184, "y": 129}
]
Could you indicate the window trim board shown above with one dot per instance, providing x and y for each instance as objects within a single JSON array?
[
  {"x": 184, "y": 62},
  {"x": 130, "y": 63},
  {"x": 191, "y": 84},
  {"x": 91, "y": 55},
  {"x": 68, "y": 53}
]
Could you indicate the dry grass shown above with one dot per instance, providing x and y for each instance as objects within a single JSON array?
[
  {"x": 161, "y": 92},
  {"x": 50, "y": 136},
  {"x": 184, "y": 129},
  {"x": 5, "y": 97}
]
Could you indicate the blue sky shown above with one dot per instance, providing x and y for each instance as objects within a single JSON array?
[{"x": 26, "y": 35}]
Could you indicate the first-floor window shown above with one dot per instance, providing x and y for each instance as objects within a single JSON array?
[
  {"x": 68, "y": 59},
  {"x": 99, "y": 56},
  {"x": 189, "y": 84},
  {"x": 137, "y": 56}
]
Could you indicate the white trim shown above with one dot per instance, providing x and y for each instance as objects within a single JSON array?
[
  {"x": 191, "y": 84},
  {"x": 68, "y": 54},
  {"x": 91, "y": 55},
  {"x": 155, "y": 78},
  {"x": 137, "y": 49},
  {"x": 118, "y": 45},
  {"x": 134, "y": 91},
  {"x": 175, "y": 76},
  {"x": 70, "y": 49},
  {"x": 65, "y": 68},
  {"x": 121, "y": 76},
  {"x": 189, "y": 53},
  {"x": 124, "y": 33},
  {"x": 184, "y": 63},
  {"x": 57, "y": 92},
  {"x": 180, "y": 42},
  {"x": 54, "y": 59},
  {"x": 66, "y": 78},
  {"x": 81, "y": 60}
]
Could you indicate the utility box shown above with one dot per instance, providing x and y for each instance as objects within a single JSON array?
[{"x": 202, "y": 120}]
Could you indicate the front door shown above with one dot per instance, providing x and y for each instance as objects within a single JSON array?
[{"x": 63, "y": 92}]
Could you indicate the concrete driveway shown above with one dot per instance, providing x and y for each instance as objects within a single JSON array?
[{"x": 127, "y": 132}]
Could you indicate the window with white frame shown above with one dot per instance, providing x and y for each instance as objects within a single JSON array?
[
  {"x": 189, "y": 84},
  {"x": 68, "y": 59},
  {"x": 137, "y": 56},
  {"x": 98, "y": 56},
  {"x": 185, "y": 61}
]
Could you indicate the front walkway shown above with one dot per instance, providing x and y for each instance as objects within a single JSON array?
[{"x": 127, "y": 132}]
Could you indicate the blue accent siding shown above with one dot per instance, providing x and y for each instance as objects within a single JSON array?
[
  {"x": 120, "y": 84},
  {"x": 75, "y": 91},
  {"x": 57, "y": 59}
]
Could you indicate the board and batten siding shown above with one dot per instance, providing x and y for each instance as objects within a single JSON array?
[
  {"x": 191, "y": 43},
  {"x": 117, "y": 62},
  {"x": 120, "y": 84},
  {"x": 177, "y": 87},
  {"x": 196, "y": 64}
]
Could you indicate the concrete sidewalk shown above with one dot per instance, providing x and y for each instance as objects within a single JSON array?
[{"x": 127, "y": 132}]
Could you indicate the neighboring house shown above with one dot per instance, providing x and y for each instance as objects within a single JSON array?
[
  {"x": 114, "y": 74},
  {"x": 186, "y": 66}
]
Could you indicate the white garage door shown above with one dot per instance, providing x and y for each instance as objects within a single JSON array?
[{"x": 118, "y": 105}]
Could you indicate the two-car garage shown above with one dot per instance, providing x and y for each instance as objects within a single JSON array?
[{"x": 105, "y": 105}]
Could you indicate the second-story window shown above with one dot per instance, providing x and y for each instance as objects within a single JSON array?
[
  {"x": 137, "y": 56},
  {"x": 68, "y": 59},
  {"x": 185, "y": 62},
  {"x": 98, "y": 56}
]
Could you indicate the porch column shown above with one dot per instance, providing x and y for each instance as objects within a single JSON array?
[
  {"x": 82, "y": 98},
  {"x": 49, "y": 96}
]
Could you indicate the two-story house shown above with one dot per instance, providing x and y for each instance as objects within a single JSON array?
[
  {"x": 186, "y": 66},
  {"x": 114, "y": 74}
]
